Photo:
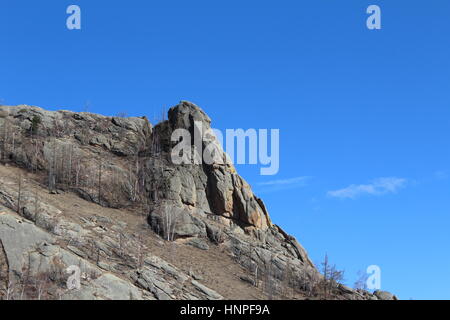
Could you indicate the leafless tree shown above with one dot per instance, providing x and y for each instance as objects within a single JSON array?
[
  {"x": 13, "y": 142},
  {"x": 133, "y": 176},
  {"x": 25, "y": 278},
  {"x": 77, "y": 171},
  {"x": 52, "y": 168},
  {"x": 170, "y": 219},
  {"x": 331, "y": 278},
  {"x": 7, "y": 138},
  {"x": 121, "y": 244},
  {"x": 140, "y": 250},
  {"x": 19, "y": 193},
  {"x": 256, "y": 274},
  {"x": 100, "y": 165},
  {"x": 326, "y": 275},
  {"x": 41, "y": 286},
  {"x": 361, "y": 281},
  {"x": 59, "y": 128},
  {"x": 9, "y": 290}
]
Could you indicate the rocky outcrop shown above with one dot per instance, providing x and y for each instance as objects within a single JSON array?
[
  {"x": 126, "y": 163},
  {"x": 77, "y": 151},
  {"x": 384, "y": 295},
  {"x": 34, "y": 260},
  {"x": 211, "y": 187},
  {"x": 84, "y": 151}
]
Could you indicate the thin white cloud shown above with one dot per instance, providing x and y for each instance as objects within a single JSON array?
[
  {"x": 290, "y": 181},
  {"x": 441, "y": 175},
  {"x": 283, "y": 184},
  {"x": 376, "y": 187}
]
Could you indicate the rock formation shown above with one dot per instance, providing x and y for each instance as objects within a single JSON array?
[{"x": 122, "y": 166}]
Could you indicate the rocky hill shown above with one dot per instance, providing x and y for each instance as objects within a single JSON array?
[{"x": 101, "y": 193}]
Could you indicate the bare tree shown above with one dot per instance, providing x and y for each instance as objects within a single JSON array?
[
  {"x": 361, "y": 281},
  {"x": 77, "y": 171},
  {"x": 25, "y": 278},
  {"x": 69, "y": 177},
  {"x": 310, "y": 282},
  {"x": 41, "y": 285},
  {"x": 169, "y": 222},
  {"x": 9, "y": 290},
  {"x": 256, "y": 274},
  {"x": 52, "y": 168},
  {"x": 336, "y": 277},
  {"x": 155, "y": 146},
  {"x": 6, "y": 139},
  {"x": 133, "y": 176},
  {"x": 326, "y": 275},
  {"x": 100, "y": 165},
  {"x": 13, "y": 142},
  {"x": 331, "y": 278},
  {"x": 19, "y": 193},
  {"x": 169, "y": 218},
  {"x": 140, "y": 251}
]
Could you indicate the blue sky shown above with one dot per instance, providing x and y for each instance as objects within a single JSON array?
[{"x": 363, "y": 115}]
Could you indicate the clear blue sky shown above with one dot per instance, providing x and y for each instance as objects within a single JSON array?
[{"x": 352, "y": 106}]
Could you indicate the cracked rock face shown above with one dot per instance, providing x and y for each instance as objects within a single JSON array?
[
  {"x": 214, "y": 188},
  {"x": 29, "y": 248},
  {"x": 72, "y": 148}
]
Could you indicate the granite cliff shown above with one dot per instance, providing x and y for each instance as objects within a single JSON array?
[{"x": 101, "y": 193}]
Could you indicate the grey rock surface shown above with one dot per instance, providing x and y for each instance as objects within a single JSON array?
[
  {"x": 125, "y": 164},
  {"x": 384, "y": 295}
]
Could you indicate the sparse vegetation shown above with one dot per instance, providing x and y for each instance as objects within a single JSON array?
[
  {"x": 57, "y": 175},
  {"x": 331, "y": 278},
  {"x": 361, "y": 281}
]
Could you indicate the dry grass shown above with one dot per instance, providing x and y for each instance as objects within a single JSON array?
[{"x": 214, "y": 267}]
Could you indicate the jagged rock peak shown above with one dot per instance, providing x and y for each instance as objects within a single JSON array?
[{"x": 185, "y": 113}]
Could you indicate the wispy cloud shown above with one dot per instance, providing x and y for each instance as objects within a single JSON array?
[
  {"x": 441, "y": 175},
  {"x": 283, "y": 184},
  {"x": 376, "y": 187}
]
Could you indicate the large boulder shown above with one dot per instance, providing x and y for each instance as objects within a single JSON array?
[{"x": 384, "y": 295}]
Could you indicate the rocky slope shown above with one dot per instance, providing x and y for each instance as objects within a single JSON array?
[{"x": 102, "y": 193}]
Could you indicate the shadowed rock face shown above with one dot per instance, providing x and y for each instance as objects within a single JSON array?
[{"x": 213, "y": 188}]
